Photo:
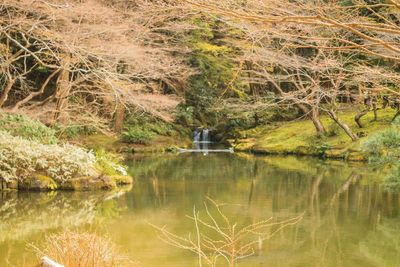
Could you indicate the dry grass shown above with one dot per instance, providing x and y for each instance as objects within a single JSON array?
[{"x": 73, "y": 249}]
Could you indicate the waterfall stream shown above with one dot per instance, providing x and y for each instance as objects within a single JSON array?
[{"x": 201, "y": 141}]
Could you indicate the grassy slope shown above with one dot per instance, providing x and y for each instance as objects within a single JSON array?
[{"x": 299, "y": 137}]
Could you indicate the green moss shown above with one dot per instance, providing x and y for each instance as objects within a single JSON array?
[
  {"x": 38, "y": 182},
  {"x": 137, "y": 135},
  {"x": 108, "y": 163},
  {"x": 300, "y": 137},
  {"x": 100, "y": 142},
  {"x": 122, "y": 179},
  {"x": 88, "y": 183},
  {"x": 211, "y": 48}
]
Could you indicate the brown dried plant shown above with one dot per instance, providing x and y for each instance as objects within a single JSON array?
[
  {"x": 217, "y": 238},
  {"x": 73, "y": 249}
]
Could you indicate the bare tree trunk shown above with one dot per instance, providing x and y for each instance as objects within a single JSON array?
[
  {"x": 342, "y": 125},
  {"x": 317, "y": 121},
  {"x": 6, "y": 91},
  {"x": 119, "y": 118},
  {"x": 62, "y": 91},
  {"x": 358, "y": 117},
  {"x": 375, "y": 108}
]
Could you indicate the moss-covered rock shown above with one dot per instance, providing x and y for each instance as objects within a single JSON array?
[
  {"x": 122, "y": 179},
  {"x": 37, "y": 182},
  {"x": 357, "y": 156},
  {"x": 88, "y": 183}
]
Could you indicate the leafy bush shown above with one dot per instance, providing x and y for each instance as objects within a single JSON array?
[
  {"x": 109, "y": 163},
  {"x": 333, "y": 130},
  {"x": 184, "y": 115},
  {"x": 73, "y": 131},
  {"x": 137, "y": 135},
  {"x": 319, "y": 144},
  {"x": 20, "y": 158},
  {"x": 19, "y": 125},
  {"x": 392, "y": 181},
  {"x": 384, "y": 148}
]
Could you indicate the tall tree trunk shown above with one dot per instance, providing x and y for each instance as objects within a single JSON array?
[
  {"x": 342, "y": 125},
  {"x": 63, "y": 89},
  {"x": 317, "y": 121},
  {"x": 119, "y": 118}
]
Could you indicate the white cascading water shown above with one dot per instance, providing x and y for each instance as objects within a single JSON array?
[
  {"x": 196, "y": 136},
  {"x": 201, "y": 140},
  {"x": 205, "y": 139}
]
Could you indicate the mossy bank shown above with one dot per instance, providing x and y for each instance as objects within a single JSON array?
[
  {"x": 40, "y": 182},
  {"x": 300, "y": 138}
]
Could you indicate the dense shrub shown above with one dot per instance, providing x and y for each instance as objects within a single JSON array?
[
  {"x": 109, "y": 163},
  {"x": 333, "y": 130},
  {"x": 19, "y": 125},
  {"x": 73, "y": 131},
  {"x": 137, "y": 135},
  {"x": 20, "y": 158},
  {"x": 184, "y": 115},
  {"x": 384, "y": 148},
  {"x": 392, "y": 181}
]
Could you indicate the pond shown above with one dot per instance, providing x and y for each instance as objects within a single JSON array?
[{"x": 348, "y": 219}]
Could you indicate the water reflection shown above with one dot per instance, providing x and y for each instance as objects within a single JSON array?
[
  {"x": 26, "y": 217},
  {"x": 349, "y": 220}
]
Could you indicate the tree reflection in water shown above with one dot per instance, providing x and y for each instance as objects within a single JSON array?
[{"x": 347, "y": 214}]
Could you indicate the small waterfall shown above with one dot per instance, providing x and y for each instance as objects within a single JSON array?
[
  {"x": 201, "y": 142},
  {"x": 205, "y": 135},
  {"x": 205, "y": 139},
  {"x": 196, "y": 136}
]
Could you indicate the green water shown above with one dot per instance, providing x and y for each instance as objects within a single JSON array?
[{"x": 348, "y": 221}]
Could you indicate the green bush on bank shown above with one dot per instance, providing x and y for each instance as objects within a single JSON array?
[
  {"x": 73, "y": 131},
  {"x": 137, "y": 135},
  {"x": 143, "y": 128},
  {"x": 384, "y": 148},
  {"x": 23, "y": 126},
  {"x": 109, "y": 164}
]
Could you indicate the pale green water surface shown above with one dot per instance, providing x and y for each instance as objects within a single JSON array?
[{"x": 348, "y": 221}]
